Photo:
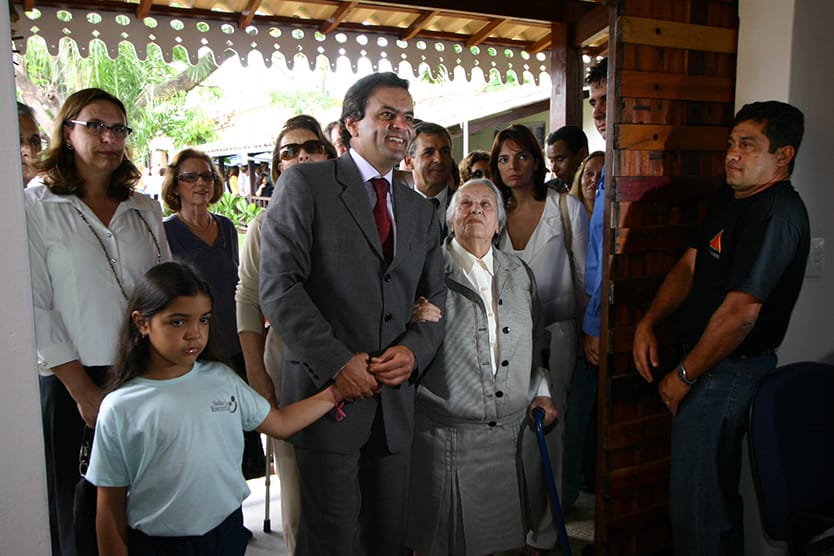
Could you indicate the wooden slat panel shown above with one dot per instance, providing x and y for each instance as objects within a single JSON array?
[
  {"x": 670, "y": 138},
  {"x": 671, "y": 34},
  {"x": 661, "y": 238},
  {"x": 647, "y": 474},
  {"x": 634, "y": 290},
  {"x": 653, "y": 429},
  {"x": 676, "y": 86},
  {"x": 657, "y": 213},
  {"x": 667, "y": 188}
]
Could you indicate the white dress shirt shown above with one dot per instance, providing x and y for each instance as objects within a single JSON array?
[
  {"x": 480, "y": 273},
  {"x": 79, "y": 307}
]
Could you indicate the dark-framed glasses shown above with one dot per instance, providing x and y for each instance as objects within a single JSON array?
[
  {"x": 192, "y": 177},
  {"x": 291, "y": 150},
  {"x": 98, "y": 128}
]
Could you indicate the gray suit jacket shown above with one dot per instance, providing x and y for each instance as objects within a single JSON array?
[{"x": 327, "y": 290}]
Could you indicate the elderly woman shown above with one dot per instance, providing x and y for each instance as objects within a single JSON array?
[
  {"x": 300, "y": 141},
  {"x": 549, "y": 231},
  {"x": 91, "y": 237},
  {"x": 206, "y": 240},
  {"x": 478, "y": 394},
  {"x": 31, "y": 143}
]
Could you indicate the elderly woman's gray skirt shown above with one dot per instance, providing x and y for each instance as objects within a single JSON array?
[{"x": 467, "y": 493}]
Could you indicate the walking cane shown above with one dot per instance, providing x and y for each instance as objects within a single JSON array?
[
  {"x": 267, "y": 481},
  {"x": 538, "y": 415}
]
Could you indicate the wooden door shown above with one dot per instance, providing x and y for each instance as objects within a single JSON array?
[{"x": 671, "y": 85}]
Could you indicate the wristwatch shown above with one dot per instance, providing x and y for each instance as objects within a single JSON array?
[{"x": 683, "y": 376}]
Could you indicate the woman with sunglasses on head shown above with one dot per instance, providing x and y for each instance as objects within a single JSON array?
[
  {"x": 300, "y": 141},
  {"x": 91, "y": 237}
]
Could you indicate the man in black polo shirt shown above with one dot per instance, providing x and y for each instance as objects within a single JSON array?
[{"x": 736, "y": 287}]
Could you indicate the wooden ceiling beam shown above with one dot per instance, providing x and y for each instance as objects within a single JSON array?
[
  {"x": 248, "y": 14},
  {"x": 144, "y": 9},
  {"x": 419, "y": 24},
  {"x": 336, "y": 18},
  {"x": 483, "y": 33},
  {"x": 591, "y": 27},
  {"x": 541, "y": 44}
]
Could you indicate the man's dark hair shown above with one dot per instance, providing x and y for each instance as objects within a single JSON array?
[
  {"x": 574, "y": 138},
  {"x": 25, "y": 111},
  {"x": 356, "y": 97},
  {"x": 427, "y": 128},
  {"x": 784, "y": 124},
  {"x": 598, "y": 73}
]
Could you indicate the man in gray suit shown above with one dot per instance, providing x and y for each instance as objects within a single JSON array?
[
  {"x": 343, "y": 258},
  {"x": 429, "y": 158}
]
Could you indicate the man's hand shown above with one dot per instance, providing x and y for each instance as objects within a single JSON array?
[
  {"x": 592, "y": 349},
  {"x": 550, "y": 411},
  {"x": 394, "y": 366},
  {"x": 644, "y": 350},
  {"x": 672, "y": 391},
  {"x": 354, "y": 381}
]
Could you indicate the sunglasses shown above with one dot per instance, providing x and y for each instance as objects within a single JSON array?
[
  {"x": 192, "y": 177},
  {"x": 292, "y": 150},
  {"x": 98, "y": 128}
]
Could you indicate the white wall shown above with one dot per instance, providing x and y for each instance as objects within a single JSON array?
[
  {"x": 785, "y": 53},
  {"x": 24, "y": 522}
]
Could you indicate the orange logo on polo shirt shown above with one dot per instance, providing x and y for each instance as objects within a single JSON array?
[{"x": 715, "y": 245}]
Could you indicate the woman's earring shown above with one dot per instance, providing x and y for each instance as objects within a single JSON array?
[{"x": 69, "y": 146}]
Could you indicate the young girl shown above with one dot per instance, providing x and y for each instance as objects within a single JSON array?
[{"x": 169, "y": 437}]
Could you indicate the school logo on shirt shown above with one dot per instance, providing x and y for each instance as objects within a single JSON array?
[
  {"x": 715, "y": 245},
  {"x": 223, "y": 405}
]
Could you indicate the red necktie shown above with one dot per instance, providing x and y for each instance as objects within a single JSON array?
[{"x": 383, "y": 221}]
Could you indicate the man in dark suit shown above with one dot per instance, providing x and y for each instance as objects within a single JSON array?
[
  {"x": 429, "y": 158},
  {"x": 343, "y": 258}
]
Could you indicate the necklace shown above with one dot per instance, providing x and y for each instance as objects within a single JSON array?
[
  {"x": 107, "y": 257},
  {"x": 195, "y": 226}
]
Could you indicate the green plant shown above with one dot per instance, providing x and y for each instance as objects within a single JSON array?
[{"x": 236, "y": 209}]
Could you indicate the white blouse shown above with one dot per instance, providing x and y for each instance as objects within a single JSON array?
[
  {"x": 547, "y": 257},
  {"x": 74, "y": 258}
]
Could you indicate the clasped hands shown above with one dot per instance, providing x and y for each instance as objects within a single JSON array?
[{"x": 363, "y": 376}]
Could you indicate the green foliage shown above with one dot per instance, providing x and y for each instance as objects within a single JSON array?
[
  {"x": 237, "y": 209},
  {"x": 144, "y": 86}
]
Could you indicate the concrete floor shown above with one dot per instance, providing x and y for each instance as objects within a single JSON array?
[{"x": 579, "y": 521}]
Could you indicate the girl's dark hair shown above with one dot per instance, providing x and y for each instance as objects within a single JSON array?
[
  {"x": 58, "y": 163},
  {"x": 160, "y": 285},
  {"x": 524, "y": 138}
]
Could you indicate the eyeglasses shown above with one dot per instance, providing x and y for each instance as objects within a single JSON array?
[
  {"x": 98, "y": 128},
  {"x": 291, "y": 150},
  {"x": 192, "y": 177}
]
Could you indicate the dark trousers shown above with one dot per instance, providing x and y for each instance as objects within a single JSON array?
[
  {"x": 353, "y": 500},
  {"x": 62, "y": 429},
  {"x": 227, "y": 539}
]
